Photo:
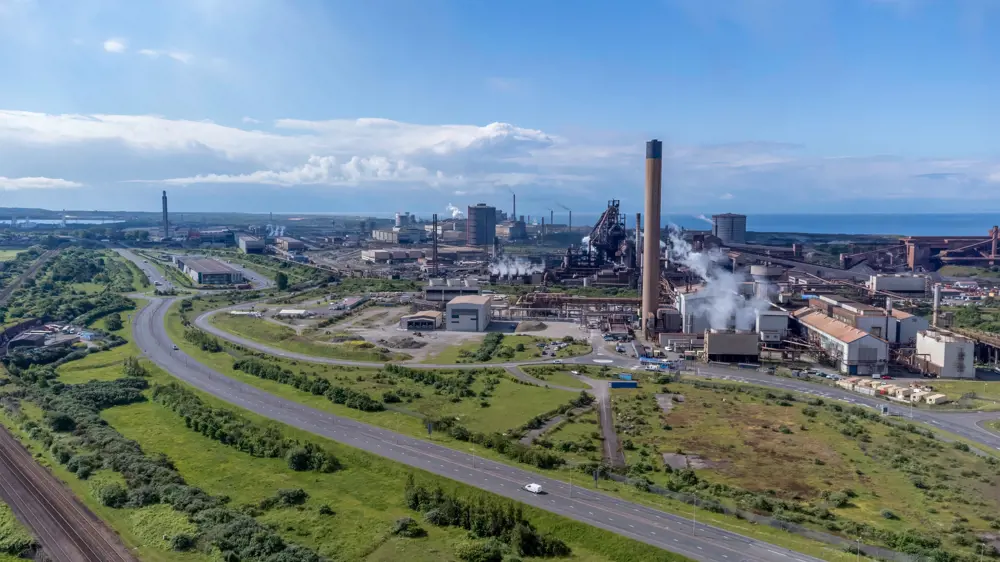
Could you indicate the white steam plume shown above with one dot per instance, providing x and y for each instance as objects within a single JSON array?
[
  {"x": 507, "y": 266},
  {"x": 586, "y": 240},
  {"x": 704, "y": 218},
  {"x": 456, "y": 213},
  {"x": 722, "y": 301}
]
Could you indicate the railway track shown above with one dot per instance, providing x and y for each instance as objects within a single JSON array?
[{"x": 66, "y": 530}]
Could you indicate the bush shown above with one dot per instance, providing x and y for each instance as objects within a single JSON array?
[
  {"x": 407, "y": 527},
  {"x": 112, "y": 495},
  {"x": 491, "y": 550},
  {"x": 182, "y": 542},
  {"x": 325, "y": 510}
]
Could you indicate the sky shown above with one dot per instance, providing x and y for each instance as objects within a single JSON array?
[{"x": 763, "y": 106}]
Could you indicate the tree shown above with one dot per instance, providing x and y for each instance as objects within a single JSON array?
[
  {"x": 282, "y": 280},
  {"x": 114, "y": 322}
]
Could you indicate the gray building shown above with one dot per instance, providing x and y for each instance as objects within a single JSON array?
[
  {"x": 730, "y": 228},
  {"x": 468, "y": 314},
  {"x": 211, "y": 272},
  {"x": 251, "y": 244},
  {"x": 481, "y": 225},
  {"x": 443, "y": 290}
]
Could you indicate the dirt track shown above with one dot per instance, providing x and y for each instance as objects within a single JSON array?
[{"x": 66, "y": 530}]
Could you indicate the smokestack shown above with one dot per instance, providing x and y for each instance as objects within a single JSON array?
[
  {"x": 651, "y": 248},
  {"x": 166, "y": 223},
  {"x": 570, "y": 225},
  {"x": 513, "y": 213},
  {"x": 937, "y": 304},
  {"x": 552, "y": 216},
  {"x": 434, "y": 245},
  {"x": 543, "y": 228}
]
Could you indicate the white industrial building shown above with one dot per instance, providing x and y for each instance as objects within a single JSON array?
[
  {"x": 894, "y": 326},
  {"x": 855, "y": 351},
  {"x": 425, "y": 320},
  {"x": 772, "y": 325},
  {"x": 911, "y": 285},
  {"x": 470, "y": 313},
  {"x": 907, "y": 326},
  {"x": 444, "y": 290},
  {"x": 946, "y": 355}
]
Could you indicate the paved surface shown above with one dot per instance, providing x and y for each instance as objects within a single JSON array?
[{"x": 66, "y": 530}]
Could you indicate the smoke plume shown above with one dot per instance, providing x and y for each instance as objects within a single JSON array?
[
  {"x": 704, "y": 218},
  {"x": 509, "y": 266},
  {"x": 456, "y": 213},
  {"x": 721, "y": 300}
]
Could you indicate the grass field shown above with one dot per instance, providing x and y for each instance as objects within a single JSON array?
[
  {"x": 464, "y": 353},
  {"x": 987, "y": 393},
  {"x": 103, "y": 365},
  {"x": 809, "y": 455},
  {"x": 285, "y": 338},
  {"x": 14, "y": 537},
  {"x": 7, "y": 255},
  {"x": 509, "y": 405},
  {"x": 967, "y": 271},
  {"x": 556, "y": 374}
]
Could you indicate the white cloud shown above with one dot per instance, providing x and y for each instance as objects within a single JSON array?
[
  {"x": 178, "y": 56},
  {"x": 250, "y": 120},
  {"x": 115, "y": 45},
  {"x": 11, "y": 184},
  {"x": 462, "y": 160}
]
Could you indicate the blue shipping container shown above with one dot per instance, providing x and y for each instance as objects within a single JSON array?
[
  {"x": 625, "y": 376},
  {"x": 623, "y": 384}
]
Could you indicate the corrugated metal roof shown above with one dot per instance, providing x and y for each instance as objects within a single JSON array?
[
  {"x": 900, "y": 314},
  {"x": 471, "y": 299},
  {"x": 832, "y": 327}
]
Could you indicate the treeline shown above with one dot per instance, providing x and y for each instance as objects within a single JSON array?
[
  {"x": 500, "y": 522},
  {"x": 201, "y": 339},
  {"x": 458, "y": 384},
  {"x": 500, "y": 443},
  {"x": 235, "y": 431},
  {"x": 79, "y": 439},
  {"x": 315, "y": 385}
]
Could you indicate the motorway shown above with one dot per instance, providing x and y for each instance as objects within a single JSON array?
[{"x": 670, "y": 532}]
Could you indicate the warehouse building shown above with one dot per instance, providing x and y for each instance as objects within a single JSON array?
[
  {"x": 423, "y": 321},
  {"x": 946, "y": 355},
  {"x": 395, "y": 255},
  {"x": 854, "y": 351},
  {"x": 772, "y": 326},
  {"x": 251, "y": 244},
  {"x": 444, "y": 290},
  {"x": 731, "y": 347},
  {"x": 469, "y": 313},
  {"x": 211, "y": 272},
  {"x": 290, "y": 244},
  {"x": 907, "y": 285}
]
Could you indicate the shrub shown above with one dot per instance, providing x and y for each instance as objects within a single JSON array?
[
  {"x": 407, "y": 527},
  {"x": 182, "y": 542},
  {"x": 112, "y": 495}
]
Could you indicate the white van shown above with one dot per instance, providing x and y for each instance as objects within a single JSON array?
[{"x": 533, "y": 488}]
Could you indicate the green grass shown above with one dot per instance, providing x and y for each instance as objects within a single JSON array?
[
  {"x": 366, "y": 496},
  {"x": 462, "y": 353},
  {"x": 140, "y": 529},
  {"x": 987, "y": 394},
  {"x": 756, "y": 444},
  {"x": 285, "y": 338},
  {"x": 556, "y": 375},
  {"x": 104, "y": 365},
  {"x": 11, "y": 533},
  {"x": 7, "y": 255},
  {"x": 88, "y": 288},
  {"x": 967, "y": 271}
]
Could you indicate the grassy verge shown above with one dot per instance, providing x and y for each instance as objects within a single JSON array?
[
  {"x": 556, "y": 374},
  {"x": 14, "y": 537},
  {"x": 521, "y": 348},
  {"x": 285, "y": 338},
  {"x": 104, "y": 365}
]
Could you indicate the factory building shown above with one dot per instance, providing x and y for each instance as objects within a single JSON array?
[
  {"x": 423, "y": 321},
  {"x": 396, "y": 255},
  {"x": 407, "y": 234},
  {"x": 895, "y": 326},
  {"x": 730, "y": 228},
  {"x": 290, "y": 244},
  {"x": 251, "y": 244},
  {"x": 946, "y": 355},
  {"x": 731, "y": 347},
  {"x": 772, "y": 326},
  {"x": 444, "y": 290},
  {"x": 481, "y": 225},
  {"x": 468, "y": 313},
  {"x": 854, "y": 351},
  {"x": 211, "y": 272},
  {"x": 905, "y": 285}
]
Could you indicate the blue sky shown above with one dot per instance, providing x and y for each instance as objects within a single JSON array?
[{"x": 384, "y": 105}]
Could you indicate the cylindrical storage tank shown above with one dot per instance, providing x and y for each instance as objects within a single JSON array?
[
  {"x": 399, "y": 220},
  {"x": 765, "y": 280},
  {"x": 730, "y": 228}
]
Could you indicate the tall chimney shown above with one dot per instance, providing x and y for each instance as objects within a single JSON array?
[
  {"x": 552, "y": 216},
  {"x": 570, "y": 225},
  {"x": 543, "y": 228},
  {"x": 937, "y": 304},
  {"x": 513, "y": 213},
  {"x": 166, "y": 223},
  {"x": 651, "y": 248}
]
